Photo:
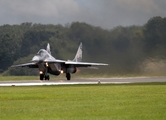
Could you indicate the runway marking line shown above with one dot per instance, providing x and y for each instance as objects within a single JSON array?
[{"x": 59, "y": 83}]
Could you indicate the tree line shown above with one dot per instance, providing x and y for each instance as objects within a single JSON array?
[{"x": 124, "y": 48}]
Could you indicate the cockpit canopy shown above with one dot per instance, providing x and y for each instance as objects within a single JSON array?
[{"x": 41, "y": 52}]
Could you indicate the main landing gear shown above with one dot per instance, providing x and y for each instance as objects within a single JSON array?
[
  {"x": 43, "y": 76},
  {"x": 68, "y": 76}
]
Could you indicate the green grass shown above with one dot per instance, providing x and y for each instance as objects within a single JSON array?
[
  {"x": 12, "y": 78},
  {"x": 84, "y": 102},
  {"x": 74, "y": 76},
  {"x": 52, "y": 77}
]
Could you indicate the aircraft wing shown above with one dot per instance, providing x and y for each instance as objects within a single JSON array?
[
  {"x": 32, "y": 65},
  {"x": 83, "y": 64}
]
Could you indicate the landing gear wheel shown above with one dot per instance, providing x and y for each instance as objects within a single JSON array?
[
  {"x": 47, "y": 77},
  {"x": 41, "y": 76},
  {"x": 68, "y": 76}
]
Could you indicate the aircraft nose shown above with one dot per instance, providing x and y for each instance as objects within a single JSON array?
[{"x": 35, "y": 59}]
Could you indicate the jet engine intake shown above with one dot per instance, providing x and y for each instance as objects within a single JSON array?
[{"x": 71, "y": 70}]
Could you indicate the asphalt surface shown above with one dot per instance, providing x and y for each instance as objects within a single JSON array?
[{"x": 84, "y": 81}]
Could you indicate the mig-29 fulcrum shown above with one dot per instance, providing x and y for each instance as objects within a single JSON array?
[{"x": 46, "y": 63}]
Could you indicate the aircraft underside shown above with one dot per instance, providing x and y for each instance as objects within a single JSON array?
[
  {"x": 44, "y": 70},
  {"x": 44, "y": 76}
]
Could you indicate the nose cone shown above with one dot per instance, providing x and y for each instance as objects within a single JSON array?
[{"x": 35, "y": 59}]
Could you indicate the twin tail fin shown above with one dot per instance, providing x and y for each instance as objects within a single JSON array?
[
  {"x": 78, "y": 56},
  {"x": 48, "y": 48}
]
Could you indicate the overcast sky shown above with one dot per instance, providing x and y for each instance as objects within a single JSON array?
[{"x": 104, "y": 13}]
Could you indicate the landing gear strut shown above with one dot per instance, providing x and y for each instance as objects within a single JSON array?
[
  {"x": 46, "y": 77},
  {"x": 68, "y": 76}
]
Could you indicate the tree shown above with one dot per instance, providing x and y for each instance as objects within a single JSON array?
[{"x": 155, "y": 36}]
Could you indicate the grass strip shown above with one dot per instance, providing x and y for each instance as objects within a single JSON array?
[{"x": 94, "y": 102}]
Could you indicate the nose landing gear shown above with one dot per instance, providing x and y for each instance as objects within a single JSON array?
[
  {"x": 47, "y": 77},
  {"x": 43, "y": 76}
]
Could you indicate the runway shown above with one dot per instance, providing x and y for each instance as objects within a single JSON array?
[{"x": 83, "y": 81}]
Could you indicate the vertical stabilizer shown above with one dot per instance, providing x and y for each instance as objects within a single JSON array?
[
  {"x": 48, "y": 48},
  {"x": 78, "y": 57}
]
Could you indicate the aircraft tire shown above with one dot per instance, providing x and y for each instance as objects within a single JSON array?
[
  {"x": 68, "y": 76},
  {"x": 41, "y": 76},
  {"x": 47, "y": 77}
]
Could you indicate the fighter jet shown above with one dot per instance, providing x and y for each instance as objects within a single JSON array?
[{"x": 46, "y": 63}]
